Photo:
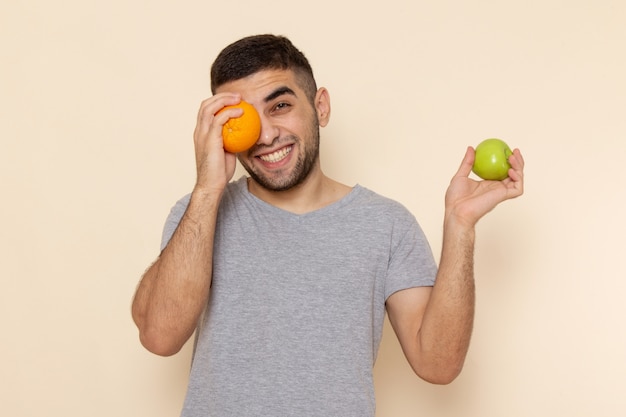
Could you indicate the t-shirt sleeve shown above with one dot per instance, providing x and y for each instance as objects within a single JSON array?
[
  {"x": 411, "y": 262},
  {"x": 176, "y": 213}
]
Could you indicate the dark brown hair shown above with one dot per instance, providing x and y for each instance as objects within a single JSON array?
[{"x": 262, "y": 52}]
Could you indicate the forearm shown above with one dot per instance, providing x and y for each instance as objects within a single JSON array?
[
  {"x": 174, "y": 290},
  {"x": 448, "y": 319},
  {"x": 444, "y": 325}
]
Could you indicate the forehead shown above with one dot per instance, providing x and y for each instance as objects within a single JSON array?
[{"x": 258, "y": 86}]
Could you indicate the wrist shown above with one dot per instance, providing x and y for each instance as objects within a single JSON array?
[
  {"x": 455, "y": 220},
  {"x": 457, "y": 228},
  {"x": 205, "y": 190},
  {"x": 459, "y": 238},
  {"x": 206, "y": 197}
]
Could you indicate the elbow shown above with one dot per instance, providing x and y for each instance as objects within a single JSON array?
[
  {"x": 439, "y": 377},
  {"x": 440, "y": 373},
  {"x": 155, "y": 343},
  {"x": 154, "y": 339}
]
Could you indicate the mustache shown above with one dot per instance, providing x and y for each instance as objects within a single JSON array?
[{"x": 276, "y": 143}]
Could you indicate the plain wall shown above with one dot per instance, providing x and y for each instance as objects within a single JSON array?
[{"x": 98, "y": 102}]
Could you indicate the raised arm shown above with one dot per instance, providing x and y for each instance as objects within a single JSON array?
[
  {"x": 434, "y": 325},
  {"x": 174, "y": 290}
]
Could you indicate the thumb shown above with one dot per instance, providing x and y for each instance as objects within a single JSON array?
[{"x": 466, "y": 165}]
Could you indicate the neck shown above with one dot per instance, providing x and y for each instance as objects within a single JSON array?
[{"x": 315, "y": 192}]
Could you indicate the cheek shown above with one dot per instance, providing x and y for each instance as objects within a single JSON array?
[
  {"x": 244, "y": 159},
  {"x": 299, "y": 123},
  {"x": 307, "y": 126}
]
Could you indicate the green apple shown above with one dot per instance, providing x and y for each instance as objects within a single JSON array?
[{"x": 492, "y": 160}]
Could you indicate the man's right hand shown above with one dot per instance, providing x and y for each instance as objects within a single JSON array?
[{"x": 215, "y": 167}]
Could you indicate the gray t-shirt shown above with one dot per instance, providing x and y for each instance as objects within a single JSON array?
[{"x": 297, "y": 304}]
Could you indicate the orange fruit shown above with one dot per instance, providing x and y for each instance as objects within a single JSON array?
[{"x": 241, "y": 133}]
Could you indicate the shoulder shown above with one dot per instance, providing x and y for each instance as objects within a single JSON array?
[
  {"x": 232, "y": 191},
  {"x": 383, "y": 206}
]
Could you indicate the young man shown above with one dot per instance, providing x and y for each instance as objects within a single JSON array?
[{"x": 285, "y": 275}]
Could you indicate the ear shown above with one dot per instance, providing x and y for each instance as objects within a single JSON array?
[{"x": 322, "y": 106}]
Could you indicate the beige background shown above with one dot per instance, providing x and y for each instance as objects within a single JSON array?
[{"x": 97, "y": 105}]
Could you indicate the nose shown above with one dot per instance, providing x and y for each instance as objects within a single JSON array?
[{"x": 269, "y": 132}]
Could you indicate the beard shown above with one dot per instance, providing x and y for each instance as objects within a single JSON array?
[{"x": 307, "y": 158}]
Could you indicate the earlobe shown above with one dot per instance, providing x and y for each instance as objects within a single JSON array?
[{"x": 322, "y": 106}]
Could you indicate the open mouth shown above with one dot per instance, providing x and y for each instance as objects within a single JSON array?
[{"x": 276, "y": 156}]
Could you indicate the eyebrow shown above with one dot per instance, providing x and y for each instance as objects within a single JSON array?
[{"x": 279, "y": 92}]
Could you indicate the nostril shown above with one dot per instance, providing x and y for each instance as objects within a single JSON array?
[{"x": 268, "y": 135}]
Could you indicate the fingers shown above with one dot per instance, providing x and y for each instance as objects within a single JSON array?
[
  {"x": 466, "y": 165},
  {"x": 516, "y": 160},
  {"x": 520, "y": 159},
  {"x": 208, "y": 122},
  {"x": 516, "y": 174},
  {"x": 215, "y": 167}
]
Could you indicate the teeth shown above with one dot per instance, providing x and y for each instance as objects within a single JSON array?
[{"x": 276, "y": 156}]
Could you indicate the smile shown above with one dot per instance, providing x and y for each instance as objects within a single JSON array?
[{"x": 277, "y": 156}]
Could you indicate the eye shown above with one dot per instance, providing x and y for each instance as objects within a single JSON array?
[{"x": 281, "y": 106}]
